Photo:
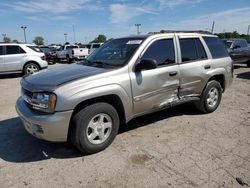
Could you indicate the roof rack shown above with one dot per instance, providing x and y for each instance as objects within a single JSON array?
[{"x": 183, "y": 31}]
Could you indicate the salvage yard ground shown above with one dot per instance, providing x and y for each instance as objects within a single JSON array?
[{"x": 177, "y": 147}]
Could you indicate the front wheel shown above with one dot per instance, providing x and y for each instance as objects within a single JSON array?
[
  {"x": 94, "y": 127},
  {"x": 210, "y": 98},
  {"x": 31, "y": 68}
]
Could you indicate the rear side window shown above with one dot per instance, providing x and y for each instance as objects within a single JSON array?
[
  {"x": 162, "y": 51},
  {"x": 192, "y": 50},
  {"x": 14, "y": 50},
  {"x": 1, "y": 50},
  {"x": 216, "y": 47},
  {"x": 35, "y": 48}
]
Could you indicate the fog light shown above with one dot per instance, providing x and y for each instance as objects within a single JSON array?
[{"x": 37, "y": 129}]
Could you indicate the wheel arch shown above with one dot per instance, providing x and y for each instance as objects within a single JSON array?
[
  {"x": 219, "y": 78},
  {"x": 111, "y": 99}
]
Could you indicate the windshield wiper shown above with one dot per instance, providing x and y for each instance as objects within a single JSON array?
[{"x": 97, "y": 63}]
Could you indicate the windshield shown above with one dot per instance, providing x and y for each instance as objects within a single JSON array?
[{"x": 115, "y": 53}]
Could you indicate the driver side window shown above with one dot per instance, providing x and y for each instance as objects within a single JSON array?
[{"x": 162, "y": 51}]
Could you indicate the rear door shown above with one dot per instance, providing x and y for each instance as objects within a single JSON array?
[
  {"x": 156, "y": 88},
  {"x": 194, "y": 63},
  {"x": 13, "y": 58}
]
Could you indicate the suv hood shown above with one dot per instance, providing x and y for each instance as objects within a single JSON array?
[{"x": 49, "y": 79}]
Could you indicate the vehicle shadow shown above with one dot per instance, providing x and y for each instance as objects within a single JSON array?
[
  {"x": 185, "y": 109},
  {"x": 17, "y": 146},
  {"x": 8, "y": 76},
  {"x": 244, "y": 75}
]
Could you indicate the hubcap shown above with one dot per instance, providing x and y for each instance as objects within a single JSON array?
[
  {"x": 32, "y": 69},
  {"x": 212, "y": 97},
  {"x": 99, "y": 128}
]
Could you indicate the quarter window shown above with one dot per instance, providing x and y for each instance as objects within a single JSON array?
[
  {"x": 162, "y": 51},
  {"x": 14, "y": 50},
  {"x": 192, "y": 49},
  {"x": 216, "y": 47}
]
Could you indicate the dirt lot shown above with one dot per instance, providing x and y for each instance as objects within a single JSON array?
[{"x": 177, "y": 147}]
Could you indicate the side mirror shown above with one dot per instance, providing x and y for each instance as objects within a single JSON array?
[
  {"x": 236, "y": 46},
  {"x": 146, "y": 64}
]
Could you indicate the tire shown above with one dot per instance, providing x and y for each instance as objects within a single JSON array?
[
  {"x": 210, "y": 98},
  {"x": 94, "y": 127},
  {"x": 31, "y": 68},
  {"x": 69, "y": 60}
]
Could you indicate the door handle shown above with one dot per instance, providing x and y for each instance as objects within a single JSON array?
[
  {"x": 207, "y": 66},
  {"x": 173, "y": 73}
]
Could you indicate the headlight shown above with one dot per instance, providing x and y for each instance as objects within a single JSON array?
[{"x": 44, "y": 102}]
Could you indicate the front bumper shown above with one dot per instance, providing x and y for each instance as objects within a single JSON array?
[{"x": 50, "y": 127}]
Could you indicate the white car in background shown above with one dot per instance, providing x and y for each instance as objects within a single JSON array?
[
  {"x": 93, "y": 46},
  {"x": 25, "y": 58}
]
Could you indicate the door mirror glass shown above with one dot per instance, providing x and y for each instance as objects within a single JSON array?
[{"x": 146, "y": 64}]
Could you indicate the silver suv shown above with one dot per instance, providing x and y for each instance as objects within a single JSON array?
[
  {"x": 26, "y": 58},
  {"x": 124, "y": 78}
]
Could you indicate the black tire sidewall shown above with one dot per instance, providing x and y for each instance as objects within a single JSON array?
[
  {"x": 83, "y": 118},
  {"x": 210, "y": 85}
]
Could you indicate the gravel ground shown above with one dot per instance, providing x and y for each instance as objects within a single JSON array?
[{"x": 177, "y": 147}]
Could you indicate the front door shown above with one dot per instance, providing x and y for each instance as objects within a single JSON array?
[{"x": 156, "y": 88}]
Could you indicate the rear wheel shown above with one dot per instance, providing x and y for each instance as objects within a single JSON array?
[
  {"x": 94, "y": 127},
  {"x": 31, "y": 68},
  {"x": 210, "y": 98}
]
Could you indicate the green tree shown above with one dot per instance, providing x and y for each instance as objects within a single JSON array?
[
  {"x": 6, "y": 39},
  {"x": 39, "y": 40},
  {"x": 99, "y": 39}
]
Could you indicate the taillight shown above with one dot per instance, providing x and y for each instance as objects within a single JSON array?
[{"x": 43, "y": 58}]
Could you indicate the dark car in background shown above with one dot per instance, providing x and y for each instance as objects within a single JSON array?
[
  {"x": 239, "y": 50},
  {"x": 50, "y": 54}
]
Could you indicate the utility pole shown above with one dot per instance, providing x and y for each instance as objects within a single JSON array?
[
  {"x": 212, "y": 30},
  {"x": 24, "y": 28},
  {"x": 65, "y": 36},
  {"x": 74, "y": 33},
  {"x": 138, "y": 28},
  {"x": 248, "y": 29}
]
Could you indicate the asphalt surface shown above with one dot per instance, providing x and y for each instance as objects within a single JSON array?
[{"x": 178, "y": 147}]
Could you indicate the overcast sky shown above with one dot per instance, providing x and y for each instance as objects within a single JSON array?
[{"x": 52, "y": 18}]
